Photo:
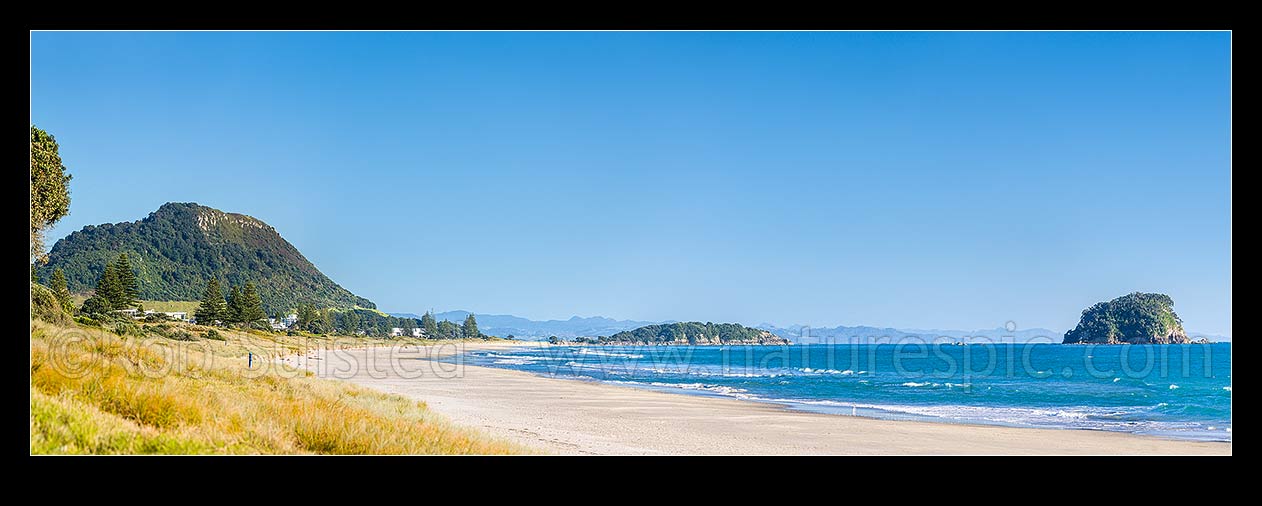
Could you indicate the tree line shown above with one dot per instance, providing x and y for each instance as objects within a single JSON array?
[
  {"x": 116, "y": 288},
  {"x": 241, "y": 306},
  {"x": 371, "y": 323}
]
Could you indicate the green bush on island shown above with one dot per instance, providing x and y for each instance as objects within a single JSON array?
[
  {"x": 1136, "y": 318},
  {"x": 694, "y": 333}
]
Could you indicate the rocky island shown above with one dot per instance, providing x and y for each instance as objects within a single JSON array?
[
  {"x": 693, "y": 333},
  {"x": 1137, "y": 318}
]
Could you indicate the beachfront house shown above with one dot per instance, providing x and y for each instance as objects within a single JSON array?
[
  {"x": 138, "y": 315},
  {"x": 282, "y": 323},
  {"x": 416, "y": 332}
]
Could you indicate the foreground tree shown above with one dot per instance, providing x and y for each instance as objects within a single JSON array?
[
  {"x": 57, "y": 283},
  {"x": 212, "y": 306},
  {"x": 50, "y": 194}
]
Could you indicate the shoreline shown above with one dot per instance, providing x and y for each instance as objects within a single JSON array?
[{"x": 559, "y": 415}]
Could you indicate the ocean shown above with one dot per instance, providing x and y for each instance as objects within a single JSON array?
[{"x": 1174, "y": 391}]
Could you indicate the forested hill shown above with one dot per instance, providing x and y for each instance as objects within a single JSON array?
[{"x": 177, "y": 248}]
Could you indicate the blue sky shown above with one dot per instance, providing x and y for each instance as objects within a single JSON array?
[{"x": 927, "y": 180}]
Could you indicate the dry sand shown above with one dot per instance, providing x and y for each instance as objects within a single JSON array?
[{"x": 579, "y": 417}]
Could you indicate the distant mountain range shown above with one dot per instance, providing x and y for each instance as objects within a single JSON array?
[
  {"x": 599, "y": 326},
  {"x": 801, "y": 334}
]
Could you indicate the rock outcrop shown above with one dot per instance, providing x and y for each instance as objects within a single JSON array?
[{"x": 1137, "y": 318}]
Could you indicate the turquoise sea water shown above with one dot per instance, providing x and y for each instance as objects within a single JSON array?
[{"x": 1178, "y": 391}]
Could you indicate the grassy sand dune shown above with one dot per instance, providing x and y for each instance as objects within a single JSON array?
[{"x": 98, "y": 393}]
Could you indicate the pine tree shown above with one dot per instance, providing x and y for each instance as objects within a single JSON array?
[
  {"x": 429, "y": 326},
  {"x": 250, "y": 309},
  {"x": 326, "y": 322},
  {"x": 57, "y": 283},
  {"x": 471, "y": 327},
  {"x": 234, "y": 313},
  {"x": 448, "y": 330},
  {"x": 129, "y": 291},
  {"x": 108, "y": 289},
  {"x": 213, "y": 306}
]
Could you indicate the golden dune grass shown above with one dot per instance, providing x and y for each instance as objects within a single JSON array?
[{"x": 96, "y": 393}]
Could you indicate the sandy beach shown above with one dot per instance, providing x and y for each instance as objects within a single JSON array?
[{"x": 572, "y": 417}]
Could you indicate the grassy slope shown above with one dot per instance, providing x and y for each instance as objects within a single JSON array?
[
  {"x": 188, "y": 306},
  {"x": 165, "y": 396}
]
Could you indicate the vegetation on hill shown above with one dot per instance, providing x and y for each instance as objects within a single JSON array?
[
  {"x": 693, "y": 333},
  {"x": 134, "y": 396},
  {"x": 177, "y": 249},
  {"x": 1136, "y": 318}
]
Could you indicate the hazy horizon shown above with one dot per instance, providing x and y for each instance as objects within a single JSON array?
[{"x": 895, "y": 179}]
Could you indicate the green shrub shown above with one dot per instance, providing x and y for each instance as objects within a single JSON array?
[
  {"x": 87, "y": 321},
  {"x": 181, "y": 335},
  {"x": 170, "y": 332},
  {"x": 46, "y": 307},
  {"x": 125, "y": 327},
  {"x": 213, "y": 334},
  {"x": 95, "y": 307}
]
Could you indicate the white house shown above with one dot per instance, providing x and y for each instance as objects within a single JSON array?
[
  {"x": 396, "y": 332},
  {"x": 136, "y": 314}
]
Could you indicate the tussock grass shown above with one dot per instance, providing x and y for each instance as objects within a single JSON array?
[{"x": 93, "y": 392}]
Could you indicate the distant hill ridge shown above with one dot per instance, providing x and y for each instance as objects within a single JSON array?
[
  {"x": 178, "y": 248},
  {"x": 505, "y": 325}
]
